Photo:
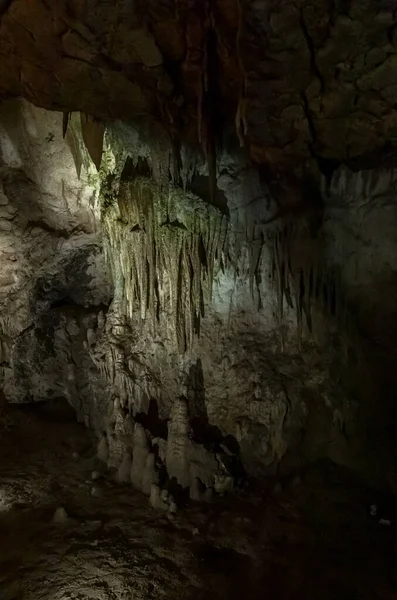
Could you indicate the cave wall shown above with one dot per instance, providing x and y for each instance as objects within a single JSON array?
[
  {"x": 289, "y": 372},
  {"x": 309, "y": 79},
  {"x": 280, "y": 374},
  {"x": 54, "y": 279}
]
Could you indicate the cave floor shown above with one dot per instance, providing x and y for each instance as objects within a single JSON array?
[{"x": 311, "y": 540}]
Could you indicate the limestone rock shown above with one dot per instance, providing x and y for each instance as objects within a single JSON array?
[
  {"x": 60, "y": 516},
  {"x": 96, "y": 492},
  {"x": 139, "y": 456},
  {"x": 267, "y": 299},
  {"x": 177, "y": 458},
  {"x": 149, "y": 476},
  {"x": 103, "y": 450},
  {"x": 162, "y": 448},
  {"x": 209, "y": 494},
  {"x": 121, "y": 439},
  {"x": 223, "y": 483},
  {"x": 203, "y": 464},
  {"x": 116, "y": 450},
  {"x": 273, "y": 123},
  {"x": 156, "y": 500},
  {"x": 124, "y": 470},
  {"x": 5, "y": 225},
  {"x": 195, "y": 490},
  {"x": 172, "y": 506}
]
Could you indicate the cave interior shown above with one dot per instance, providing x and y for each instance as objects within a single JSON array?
[{"x": 198, "y": 299}]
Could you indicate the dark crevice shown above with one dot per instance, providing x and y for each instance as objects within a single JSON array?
[
  {"x": 327, "y": 166},
  {"x": 152, "y": 422},
  {"x": 312, "y": 51},
  {"x": 62, "y": 302},
  {"x": 4, "y": 6},
  {"x": 312, "y": 128},
  {"x": 46, "y": 227},
  {"x": 133, "y": 170},
  {"x": 211, "y": 107},
  {"x": 202, "y": 253},
  {"x": 177, "y": 224},
  {"x": 199, "y": 186}
]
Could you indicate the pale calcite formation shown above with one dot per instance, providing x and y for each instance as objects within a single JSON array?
[
  {"x": 140, "y": 453},
  {"x": 150, "y": 475},
  {"x": 124, "y": 470},
  {"x": 103, "y": 450},
  {"x": 178, "y": 445}
]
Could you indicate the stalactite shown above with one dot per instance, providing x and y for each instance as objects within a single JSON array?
[
  {"x": 65, "y": 123},
  {"x": 314, "y": 283},
  {"x": 208, "y": 120},
  {"x": 168, "y": 245},
  {"x": 72, "y": 136},
  {"x": 93, "y": 133},
  {"x": 240, "y": 119}
]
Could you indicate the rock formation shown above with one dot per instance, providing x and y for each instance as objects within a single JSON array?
[
  {"x": 140, "y": 455},
  {"x": 190, "y": 222}
]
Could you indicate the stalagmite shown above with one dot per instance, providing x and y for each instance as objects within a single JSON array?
[
  {"x": 195, "y": 491},
  {"x": 178, "y": 447},
  {"x": 116, "y": 451},
  {"x": 156, "y": 499},
  {"x": 93, "y": 132},
  {"x": 124, "y": 470},
  {"x": 149, "y": 475},
  {"x": 65, "y": 123},
  {"x": 202, "y": 464},
  {"x": 103, "y": 450},
  {"x": 162, "y": 448},
  {"x": 121, "y": 438},
  {"x": 139, "y": 456},
  {"x": 223, "y": 483}
]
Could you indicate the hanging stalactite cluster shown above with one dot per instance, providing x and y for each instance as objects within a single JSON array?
[
  {"x": 164, "y": 248},
  {"x": 303, "y": 280},
  {"x": 165, "y": 244}
]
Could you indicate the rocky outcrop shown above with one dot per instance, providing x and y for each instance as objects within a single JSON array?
[
  {"x": 54, "y": 282},
  {"x": 293, "y": 83},
  {"x": 202, "y": 338}
]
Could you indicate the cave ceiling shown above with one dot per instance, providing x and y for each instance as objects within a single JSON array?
[{"x": 308, "y": 82}]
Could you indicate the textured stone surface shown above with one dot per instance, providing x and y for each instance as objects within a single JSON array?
[
  {"x": 53, "y": 280},
  {"x": 294, "y": 80},
  {"x": 114, "y": 543},
  {"x": 249, "y": 323}
]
